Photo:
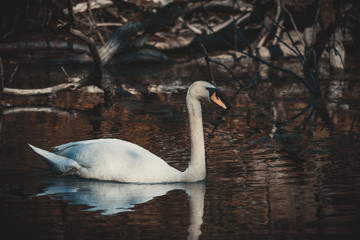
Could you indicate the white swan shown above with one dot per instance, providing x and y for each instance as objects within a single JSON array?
[{"x": 118, "y": 160}]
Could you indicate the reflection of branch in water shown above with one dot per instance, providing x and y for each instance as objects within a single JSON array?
[
  {"x": 94, "y": 115},
  {"x": 220, "y": 119},
  {"x": 55, "y": 110},
  {"x": 302, "y": 112},
  {"x": 311, "y": 114},
  {"x": 314, "y": 107}
]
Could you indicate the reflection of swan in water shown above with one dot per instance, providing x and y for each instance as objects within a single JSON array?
[{"x": 112, "y": 197}]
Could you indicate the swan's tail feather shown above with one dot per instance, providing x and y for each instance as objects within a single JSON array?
[{"x": 56, "y": 162}]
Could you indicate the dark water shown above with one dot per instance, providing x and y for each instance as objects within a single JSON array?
[{"x": 280, "y": 165}]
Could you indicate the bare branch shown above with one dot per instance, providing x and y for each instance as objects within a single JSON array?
[
  {"x": 98, "y": 71},
  {"x": 44, "y": 91},
  {"x": 311, "y": 89},
  {"x": 297, "y": 52}
]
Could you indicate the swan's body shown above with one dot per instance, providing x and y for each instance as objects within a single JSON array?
[{"x": 118, "y": 160}]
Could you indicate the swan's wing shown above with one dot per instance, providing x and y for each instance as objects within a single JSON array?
[
  {"x": 114, "y": 159},
  {"x": 57, "y": 163},
  {"x": 74, "y": 144},
  {"x": 82, "y": 151}
]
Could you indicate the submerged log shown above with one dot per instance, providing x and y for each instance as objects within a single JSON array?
[
  {"x": 144, "y": 55},
  {"x": 55, "y": 45}
]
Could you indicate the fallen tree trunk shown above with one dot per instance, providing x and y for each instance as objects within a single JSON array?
[
  {"x": 119, "y": 40},
  {"x": 122, "y": 37}
]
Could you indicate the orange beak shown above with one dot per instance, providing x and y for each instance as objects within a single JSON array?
[{"x": 218, "y": 100}]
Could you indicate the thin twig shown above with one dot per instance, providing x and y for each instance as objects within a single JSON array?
[
  {"x": 1, "y": 75},
  {"x": 13, "y": 73},
  {"x": 45, "y": 23},
  {"x": 66, "y": 74},
  {"x": 15, "y": 22},
  {"x": 296, "y": 50},
  {"x": 294, "y": 26},
  {"x": 337, "y": 53},
  {"x": 239, "y": 34},
  {"x": 71, "y": 13},
  {"x": 228, "y": 69},
  {"x": 263, "y": 39},
  {"x": 278, "y": 32},
  {"x": 92, "y": 23},
  {"x": 235, "y": 29},
  {"x": 315, "y": 22},
  {"x": 208, "y": 64}
]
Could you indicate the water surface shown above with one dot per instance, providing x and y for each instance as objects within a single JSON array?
[{"x": 280, "y": 165}]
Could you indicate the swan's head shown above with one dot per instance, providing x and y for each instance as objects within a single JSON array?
[{"x": 205, "y": 90}]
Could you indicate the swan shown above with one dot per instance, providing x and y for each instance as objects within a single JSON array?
[{"x": 122, "y": 161}]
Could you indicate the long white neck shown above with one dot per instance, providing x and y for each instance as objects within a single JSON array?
[{"x": 196, "y": 170}]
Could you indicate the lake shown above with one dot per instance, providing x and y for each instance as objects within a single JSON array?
[{"x": 280, "y": 164}]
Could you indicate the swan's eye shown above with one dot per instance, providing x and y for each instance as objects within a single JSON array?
[{"x": 212, "y": 91}]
